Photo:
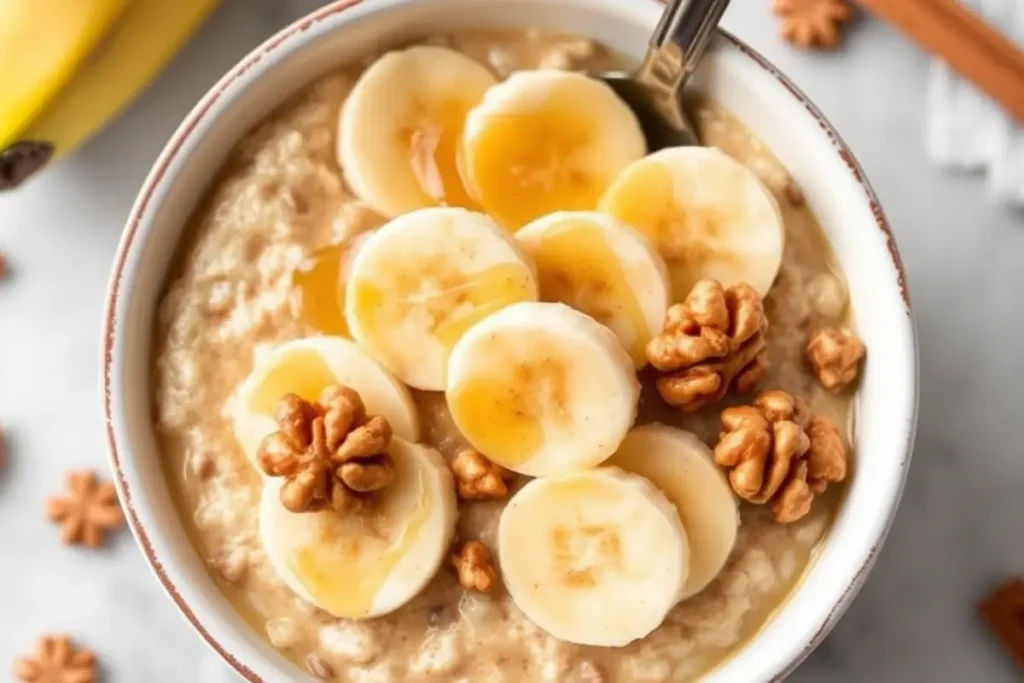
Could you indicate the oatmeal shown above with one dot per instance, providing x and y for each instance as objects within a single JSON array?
[{"x": 282, "y": 244}]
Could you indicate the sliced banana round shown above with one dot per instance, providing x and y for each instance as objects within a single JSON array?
[
  {"x": 541, "y": 389},
  {"x": 547, "y": 140},
  {"x": 595, "y": 558},
  {"x": 604, "y": 268},
  {"x": 707, "y": 214},
  {"x": 357, "y": 566},
  {"x": 401, "y": 128},
  {"x": 306, "y": 367},
  {"x": 680, "y": 465},
  {"x": 422, "y": 280}
]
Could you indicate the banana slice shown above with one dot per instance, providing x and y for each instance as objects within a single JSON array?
[
  {"x": 604, "y": 268},
  {"x": 680, "y": 465},
  {"x": 595, "y": 558},
  {"x": 425, "y": 278},
  {"x": 547, "y": 140},
  {"x": 360, "y": 566},
  {"x": 708, "y": 216},
  {"x": 542, "y": 389},
  {"x": 401, "y": 128},
  {"x": 306, "y": 367}
]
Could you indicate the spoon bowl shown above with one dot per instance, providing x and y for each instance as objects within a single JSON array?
[
  {"x": 660, "y": 128},
  {"x": 654, "y": 91}
]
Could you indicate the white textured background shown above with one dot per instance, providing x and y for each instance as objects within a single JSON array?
[{"x": 961, "y": 526}]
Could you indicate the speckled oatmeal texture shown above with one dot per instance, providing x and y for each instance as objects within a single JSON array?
[{"x": 230, "y": 298}]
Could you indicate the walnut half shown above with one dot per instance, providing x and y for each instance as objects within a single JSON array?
[
  {"x": 713, "y": 342},
  {"x": 477, "y": 477},
  {"x": 835, "y": 356},
  {"x": 475, "y": 567},
  {"x": 330, "y": 453},
  {"x": 778, "y": 453}
]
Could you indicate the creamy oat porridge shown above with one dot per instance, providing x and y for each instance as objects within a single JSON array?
[{"x": 285, "y": 263}]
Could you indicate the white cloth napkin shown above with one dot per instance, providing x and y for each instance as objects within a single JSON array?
[{"x": 969, "y": 132}]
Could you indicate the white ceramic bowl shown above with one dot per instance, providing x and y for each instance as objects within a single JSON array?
[{"x": 733, "y": 74}]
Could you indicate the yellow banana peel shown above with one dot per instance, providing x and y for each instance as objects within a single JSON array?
[
  {"x": 42, "y": 43},
  {"x": 139, "y": 42}
]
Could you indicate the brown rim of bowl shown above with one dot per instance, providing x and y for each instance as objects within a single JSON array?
[{"x": 170, "y": 152}]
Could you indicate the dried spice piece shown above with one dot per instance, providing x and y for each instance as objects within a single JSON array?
[
  {"x": 330, "y": 453},
  {"x": 3, "y": 266},
  {"x": 835, "y": 356},
  {"x": 1003, "y": 612},
  {"x": 714, "y": 342},
  {"x": 477, "y": 478},
  {"x": 778, "y": 453},
  {"x": 86, "y": 511},
  {"x": 56, "y": 660},
  {"x": 812, "y": 23},
  {"x": 475, "y": 567}
]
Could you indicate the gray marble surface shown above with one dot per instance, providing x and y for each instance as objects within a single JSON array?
[{"x": 961, "y": 526}]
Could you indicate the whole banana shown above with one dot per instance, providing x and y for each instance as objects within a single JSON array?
[{"x": 77, "y": 64}]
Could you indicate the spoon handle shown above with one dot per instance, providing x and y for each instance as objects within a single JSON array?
[{"x": 679, "y": 41}]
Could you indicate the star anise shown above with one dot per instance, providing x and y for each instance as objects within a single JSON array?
[
  {"x": 56, "y": 660},
  {"x": 86, "y": 511},
  {"x": 812, "y": 23}
]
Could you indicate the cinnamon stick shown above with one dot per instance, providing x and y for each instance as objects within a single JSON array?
[{"x": 952, "y": 32}]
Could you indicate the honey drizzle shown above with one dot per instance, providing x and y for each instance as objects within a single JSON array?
[
  {"x": 460, "y": 302},
  {"x": 322, "y": 290},
  {"x": 351, "y": 559},
  {"x": 303, "y": 372},
  {"x": 576, "y": 266},
  {"x": 525, "y": 163}
]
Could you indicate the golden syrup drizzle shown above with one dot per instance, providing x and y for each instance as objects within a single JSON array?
[
  {"x": 646, "y": 200},
  {"x": 354, "y": 557},
  {"x": 501, "y": 413},
  {"x": 484, "y": 293},
  {"x": 434, "y": 146},
  {"x": 453, "y": 301},
  {"x": 322, "y": 290},
  {"x": 303, "y": 372},
  {"x": 523, "y": 165},
  {"x": 576, "y": 266},
  {"x": 484, "y": 409}
]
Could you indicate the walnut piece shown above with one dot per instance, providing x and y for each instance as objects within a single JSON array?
[
  {"x": 713, "y": 342},
  {"x": 778, "y": 453},
  {"x": 812, "y": 23},
  {"x": 57, "y": 660},
  {"x": 478, "y": 478},
  {"x": 835, "y": 356},
  {"x": 475, "y": 567},
  {"x": 86, "y": 511},
  {"x": 331, "y": 453}
]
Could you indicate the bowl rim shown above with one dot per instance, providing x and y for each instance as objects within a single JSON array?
[{"x": 192, "y": 121}]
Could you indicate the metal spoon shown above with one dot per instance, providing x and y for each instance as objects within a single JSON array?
[{"x": 654, "y": 91}]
